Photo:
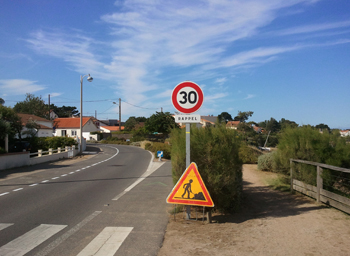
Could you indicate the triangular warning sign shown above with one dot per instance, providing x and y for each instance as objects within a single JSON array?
[{"x": 190, "y": 189}]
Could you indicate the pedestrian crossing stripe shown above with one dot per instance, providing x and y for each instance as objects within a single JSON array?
[{"x": 190, "y": 189}]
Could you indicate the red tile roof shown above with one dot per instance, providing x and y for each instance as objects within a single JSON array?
[
  {"x": 69, "y": 122},
  {"x": 113, "y": 128},
  {"x": 25, "y": 118},
  {"x": 233, "y": 123}
]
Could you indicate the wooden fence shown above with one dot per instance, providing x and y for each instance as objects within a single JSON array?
[{"x": 321, "y": 195}]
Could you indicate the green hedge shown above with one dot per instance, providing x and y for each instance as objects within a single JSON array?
[
  {"x": 267, "y": 163},
  {"x": 248, "y": 154},
  {"x": 158, "y": 146},
  {"x": 215, "y": 150}
]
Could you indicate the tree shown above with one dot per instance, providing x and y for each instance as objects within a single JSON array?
[
  {"x": 11, "y": 117},
  {"x": 64, "y": 111},
  {"x": 160, "y": 122},
  {"x": 5, "y": 128},
  {"x": 2, "y": 101},
  {"x": 272, "y": 125},
  {"x": 323, "y": 127},
  {"x": 130, "y": 123},
  {"x": 224, "y": 116},
  {"x": 287, "y": 123},
  {"x": 243, "y": 116},
  {"x": 32, "y": 105}
]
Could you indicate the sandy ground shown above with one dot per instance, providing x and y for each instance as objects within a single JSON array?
[{"x": 269, "y": 223}]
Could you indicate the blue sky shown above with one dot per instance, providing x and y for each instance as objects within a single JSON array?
[{"x": 278, "y": 58}]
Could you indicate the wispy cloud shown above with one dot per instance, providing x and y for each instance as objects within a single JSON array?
[
  {"x": 314, "y": 28},
  {"x": 149, "y": 38},
  {"x": 249, "y": 96},
  {"x": 19, "y": 86}
]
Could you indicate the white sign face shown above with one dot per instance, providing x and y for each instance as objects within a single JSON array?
[
  {"x": 187, "y": 118},
  {"x": 187, "y": 97}
]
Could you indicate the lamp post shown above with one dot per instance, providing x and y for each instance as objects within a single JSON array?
[{"x": 81, "y": 109}]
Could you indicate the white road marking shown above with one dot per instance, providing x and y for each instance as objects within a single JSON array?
[
  {"x": 18, "y": 189},
  {"x": 55, "y": 178},
  {"x": 65, "y": 236},
  {"x": 152, "y": 167},
  {"x": 107, "y": 242},
  {"x": 5, "y": 225},
  {"x": 27, "y": 242},
  {"x": 33, "y": 185},
  {"x": 63, "y": 175},
  {"x": 71, "y": 172},
  {"x": 78, "y": 170},
  {"x": 4, "y": 193},
  {"x": 44, "y": 181}
]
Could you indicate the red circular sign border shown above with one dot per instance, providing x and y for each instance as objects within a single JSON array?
[{"x": 196, "y": 88}]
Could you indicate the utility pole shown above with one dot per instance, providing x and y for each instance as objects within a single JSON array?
[
  {"x": 120, "y": 114},
  {"x": 49, "y": 109}
]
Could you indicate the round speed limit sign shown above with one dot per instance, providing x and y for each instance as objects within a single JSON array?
[{"x": 187, "y": 97}]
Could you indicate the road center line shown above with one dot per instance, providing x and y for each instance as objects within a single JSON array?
[
  {"x": 18, "y": 189},
  {"x": 4, "y": 193},
  {"x": 33, "y": 185}
]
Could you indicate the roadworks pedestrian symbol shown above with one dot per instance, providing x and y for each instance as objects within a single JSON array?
[{"x": 190, "y": 189}]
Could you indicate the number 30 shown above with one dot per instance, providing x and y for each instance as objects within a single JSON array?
[{"x": 189, "y": 98}]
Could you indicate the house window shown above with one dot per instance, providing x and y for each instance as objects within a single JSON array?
[
  {"x": 74, "y": 133},
  {"x": 63, "y": 133}
]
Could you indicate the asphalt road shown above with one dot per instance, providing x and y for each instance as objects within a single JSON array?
[{"x": 110, "y": 204}]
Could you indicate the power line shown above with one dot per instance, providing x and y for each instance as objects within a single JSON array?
[{"x": 137, "y": 106}]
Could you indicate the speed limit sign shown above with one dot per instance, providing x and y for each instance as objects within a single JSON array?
[{"x": 187, "y": 97}]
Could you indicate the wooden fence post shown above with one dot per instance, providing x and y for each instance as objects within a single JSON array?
[
  {"x": 40, "y": 153},
  {"x": 50, "y": 151},
  {"x": 319, "y": 183}
]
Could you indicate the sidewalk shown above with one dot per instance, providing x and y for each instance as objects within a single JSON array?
[{"x": 269, "y": 223}]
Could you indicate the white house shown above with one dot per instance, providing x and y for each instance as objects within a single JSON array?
[
  {"x": 70, "y": 127},
  {"x": 110, "y": 129},
  {"x": 45, "y": 126},
  {"x": 345, "y": 133}
]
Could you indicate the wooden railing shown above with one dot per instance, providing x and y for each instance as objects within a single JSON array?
[{"x": 321, "y": 195}]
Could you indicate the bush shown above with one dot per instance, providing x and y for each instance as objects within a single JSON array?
[
  {"x": 266, "y": 162},
  {"x": 215, "y": 150},
  {"x": 248, "y": 154},
  {"x": 2, "y": 151},
  {"x": 148, "y": 146},
  {"x": 307, "y": 143},
  {"x": 158, "y": 146}
]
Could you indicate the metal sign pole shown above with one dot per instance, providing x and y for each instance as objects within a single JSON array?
[{"x": 188, "y": 161}]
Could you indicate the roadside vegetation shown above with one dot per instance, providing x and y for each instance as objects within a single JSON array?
[
  {"x": 215, "y": 150},
  {"x": 308, "y": 143}
]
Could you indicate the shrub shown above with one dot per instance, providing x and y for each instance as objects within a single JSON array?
[
  {"x": 248, "y": 154},
  {"x": 158, "y": 146},
  {"x": 307, "y": 143},
  {"x": 148, "y": 146},
  {"x": 266, "y": 162},
  {"x": 215, "y": 150},
  {"x": 2, "y": 151}
]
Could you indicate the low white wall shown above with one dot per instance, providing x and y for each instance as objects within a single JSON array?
[{"x": 13, "y": 160}]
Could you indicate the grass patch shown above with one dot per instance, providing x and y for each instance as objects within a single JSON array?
[{"x": 279, "y": 182}]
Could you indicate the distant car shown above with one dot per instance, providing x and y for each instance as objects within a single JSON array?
[{"x": 20, "y": 146}]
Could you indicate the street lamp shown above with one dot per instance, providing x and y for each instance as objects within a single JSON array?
[{"x": 81, "y": 109}]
